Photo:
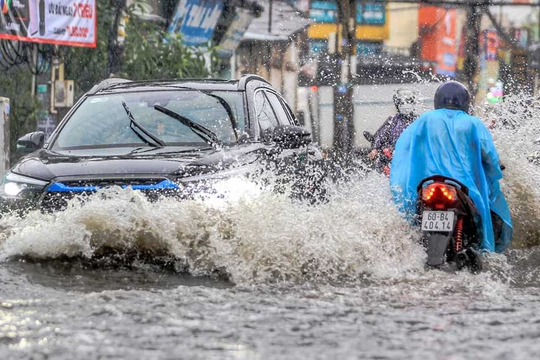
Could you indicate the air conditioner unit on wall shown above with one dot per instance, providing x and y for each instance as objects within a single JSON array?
[{"x": 63, "y": 93}]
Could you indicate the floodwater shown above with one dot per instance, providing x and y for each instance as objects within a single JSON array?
[{"x": 253, "y": 275}]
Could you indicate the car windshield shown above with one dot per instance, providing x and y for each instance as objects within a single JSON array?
[{"x": 101, "y": 120}]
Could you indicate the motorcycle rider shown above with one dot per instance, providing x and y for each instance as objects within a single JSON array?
[
  {"x": 448, "y": 141},
  {"x": 385, "y": 138}
]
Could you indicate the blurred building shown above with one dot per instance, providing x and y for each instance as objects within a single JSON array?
[
  {"x": 386, "y": 42},
  {"x": 271, "y": 47},
  {"x": 372, "y": 26},
  {"x": 403, "y": 28},
  {"x": 290, "y": 42}
]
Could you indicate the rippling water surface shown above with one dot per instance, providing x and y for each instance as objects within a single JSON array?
[{"x": 254, "y": 275}]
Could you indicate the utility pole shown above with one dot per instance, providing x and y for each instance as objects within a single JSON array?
[
  {"x": 270, "y": 11},
  {"x": 343, "y": 90},
  {"x": 472, "y": 46},
  {"x": 352, "y": 51},
  {"x": 35, "y": 49},
  {"x": 116, "y": 47}
]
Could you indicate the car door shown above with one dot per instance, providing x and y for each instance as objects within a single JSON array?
[
  {"x": 301, "y": 165},
  {"x": 288, "y": 156},
  {"x": 288, "y": 159},
  {"x": 286, "y": 118},
  {"x": 306, "y": 162}
]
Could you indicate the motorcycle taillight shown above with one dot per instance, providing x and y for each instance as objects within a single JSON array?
[{"x": 439, "y": 196}]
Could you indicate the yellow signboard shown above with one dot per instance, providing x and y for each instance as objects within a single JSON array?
[{"x": 363, "y": 32}]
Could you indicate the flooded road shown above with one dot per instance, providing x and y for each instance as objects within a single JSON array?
[
  {"x": 257, "y": 276},
  {"x": 345, "y": 279},
  {"x": 64, "y": 311}
]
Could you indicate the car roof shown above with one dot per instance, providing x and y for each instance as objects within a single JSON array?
[{"x": 123, "y": 85}]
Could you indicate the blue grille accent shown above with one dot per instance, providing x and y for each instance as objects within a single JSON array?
[{"x": 163, "y": 185}]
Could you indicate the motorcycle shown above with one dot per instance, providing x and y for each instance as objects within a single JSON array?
[{"x": 450, "y": 224}]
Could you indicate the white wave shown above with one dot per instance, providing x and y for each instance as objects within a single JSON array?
[
  {"x": 514, "y": 128},
  {"x": 251, "y": 234}
]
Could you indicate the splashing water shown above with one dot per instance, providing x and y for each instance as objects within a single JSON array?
[
  {"x": 514, "y": 127},
  {"x": 252, "y": 235}
]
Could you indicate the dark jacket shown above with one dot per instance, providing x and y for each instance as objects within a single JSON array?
[{"x": 388, "y": 134}]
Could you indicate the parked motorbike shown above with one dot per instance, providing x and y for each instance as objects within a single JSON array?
[{"x": 450, "y": 223}]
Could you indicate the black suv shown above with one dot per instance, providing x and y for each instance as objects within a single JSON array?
[{"x": 161, "y": 137}]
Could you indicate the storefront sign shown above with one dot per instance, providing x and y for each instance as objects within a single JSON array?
[
  {"x": 490, "y": 44},
  {"x": 233, "y": 36},
  {"x": 323, "y": 11},
  {"x": 373, "y": 14},
  {"x": 447, "y": 54},
  {"x": 60, "y": 22},
  {"x": 326, "y": 12},
  {"x": 439, "y": 45},
  {"x": 196, "y": 20}
]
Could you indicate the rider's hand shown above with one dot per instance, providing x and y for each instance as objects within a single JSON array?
[
  {"x": 388, "y": 153},
  {"x": 373, "y": 154}
]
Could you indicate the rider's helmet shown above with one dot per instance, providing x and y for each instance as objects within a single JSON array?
[
  {"x": 452, "y": 95},
  {"x": 405, "y": 101}
]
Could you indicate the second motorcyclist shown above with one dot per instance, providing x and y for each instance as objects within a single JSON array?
[{"x": 385, "y": 138}]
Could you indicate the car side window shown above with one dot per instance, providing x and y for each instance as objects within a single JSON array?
[
  {"x": 263, "y": 110},
  {"x": 294, "y": 120},
  {"x": 280, "y": 111}
]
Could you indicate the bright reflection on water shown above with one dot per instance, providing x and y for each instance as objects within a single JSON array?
[{"x": 275, "y": 278}]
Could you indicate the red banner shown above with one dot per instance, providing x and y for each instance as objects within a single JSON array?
[
  {"x": 438, "y": 38},
  {"x": 60, "y": 22}
]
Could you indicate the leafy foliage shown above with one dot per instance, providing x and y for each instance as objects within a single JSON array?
[
  {"x": 153, "y": 54},
  {"x": 149, "y": 52},
  {"x": 88, "y": 66},
  {"x": 23, "y": 110}
]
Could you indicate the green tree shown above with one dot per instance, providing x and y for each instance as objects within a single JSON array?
[
  {"x": 23, "y": 110},
  {"x": 150, "y": 53},
  {"x": 88, "y": 65}
]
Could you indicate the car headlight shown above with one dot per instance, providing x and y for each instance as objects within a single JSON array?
[
  {"x": 14, "y": 184},
  {"x": 218, "y": 175}
]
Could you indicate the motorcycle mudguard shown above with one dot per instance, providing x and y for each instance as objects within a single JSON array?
[{"x": 436, "y": 244}]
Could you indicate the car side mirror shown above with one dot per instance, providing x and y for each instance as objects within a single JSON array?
[
  {"x": 291, "y": 136},
  {"x": 31, "y": 142},
  {"x": 243, "y": 139}
]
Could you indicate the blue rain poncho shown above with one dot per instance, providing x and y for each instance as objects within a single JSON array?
[{"x": 453, "y": 144}]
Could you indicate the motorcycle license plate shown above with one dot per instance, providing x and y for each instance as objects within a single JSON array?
[{"x": 442, "y": 221}]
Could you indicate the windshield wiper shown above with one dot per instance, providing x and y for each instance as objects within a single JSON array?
[
  {"x": 204, "y": 133},
  {"x": 221, "y": 100},
  {"x": 228, "y": 109},
  {"x": 156, "y": 141}
]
